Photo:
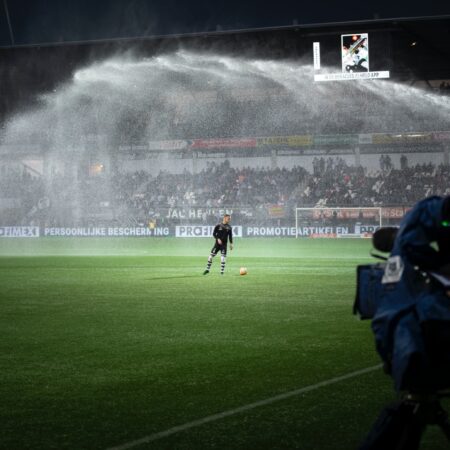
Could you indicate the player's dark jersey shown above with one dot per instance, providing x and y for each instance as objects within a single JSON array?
[{"x": 223, "y": 232}]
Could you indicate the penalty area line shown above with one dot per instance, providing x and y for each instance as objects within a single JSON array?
[{"x": 240, "y": 409}]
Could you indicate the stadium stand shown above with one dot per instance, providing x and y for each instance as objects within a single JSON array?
[{"x": 139, "y": 197}]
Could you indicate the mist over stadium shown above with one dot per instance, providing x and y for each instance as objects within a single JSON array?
[
  {"x": 127, "y": 138},
  {"x": 117, "y": 159}
]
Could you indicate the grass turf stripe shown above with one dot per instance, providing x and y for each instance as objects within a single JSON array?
[{"x": 240, "y": 409}]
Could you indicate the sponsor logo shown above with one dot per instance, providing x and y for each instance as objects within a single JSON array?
[
  {"x": 402, "y": 138},
  {"x": 351, "y": 76},
  {"x": 196, "y": 213},
  {"x": 393, "y": 271},
  {"x": 330, "y": 139},
  {"x": 19, "y": 232},
  {"x": 365, "y": 139},
  {"x": 291, "y": 231},
  {"x": 202, "y": 231},
  {"x": 106, "y": 232},
  {"x": 363, "y": 229},
  {"x": 224, "y": 143},
  {"x": 167, "y": 145},
  {"x": 286, "y": 141}
]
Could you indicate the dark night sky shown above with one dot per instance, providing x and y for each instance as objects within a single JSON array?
[{"x": 41, "y": 21}]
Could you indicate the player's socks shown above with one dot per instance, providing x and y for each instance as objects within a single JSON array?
[
  {"x": 222, "y": 264},
  {"x": 208, "y": 264}
]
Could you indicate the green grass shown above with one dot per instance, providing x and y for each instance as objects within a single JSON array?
[{"x": 105, "y": 341}]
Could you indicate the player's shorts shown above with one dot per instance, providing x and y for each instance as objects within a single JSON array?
[{"x": 219, "y": 248}]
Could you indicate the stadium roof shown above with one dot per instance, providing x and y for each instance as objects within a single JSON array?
[
  {"x": 430, "y": 28},
  {"x": 49, "y": 21}
]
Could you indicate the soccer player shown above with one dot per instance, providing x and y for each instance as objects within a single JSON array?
[{"x": 222, "y": 232}]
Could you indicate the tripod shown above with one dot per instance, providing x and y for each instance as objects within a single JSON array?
[{"x": 401, "y": 425}]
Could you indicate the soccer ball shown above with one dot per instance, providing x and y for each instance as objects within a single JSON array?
[{"x": 243, "y": 271}]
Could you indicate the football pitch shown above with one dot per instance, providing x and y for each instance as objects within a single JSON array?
[{"x": 123, "y": 343}]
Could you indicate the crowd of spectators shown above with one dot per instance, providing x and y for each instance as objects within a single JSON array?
[
  {"x": 343, "y": 185},
  {"x": 216, "y": 186},
  {"x": 332, "y": 183},
  {"x": 143, "y": 198}
]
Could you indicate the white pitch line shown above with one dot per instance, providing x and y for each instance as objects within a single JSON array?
[{"x": 240, "y": 409}]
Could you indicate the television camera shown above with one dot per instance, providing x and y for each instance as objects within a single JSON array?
[{"x": 407, "y": 297}]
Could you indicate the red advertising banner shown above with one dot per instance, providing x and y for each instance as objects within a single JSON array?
[{"x": 394, "y": 213}]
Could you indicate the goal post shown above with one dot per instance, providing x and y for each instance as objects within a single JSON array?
[{"x": 337, "y": 221}]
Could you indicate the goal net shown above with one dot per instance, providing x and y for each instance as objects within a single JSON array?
[{"x": 337, "y": 222}]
